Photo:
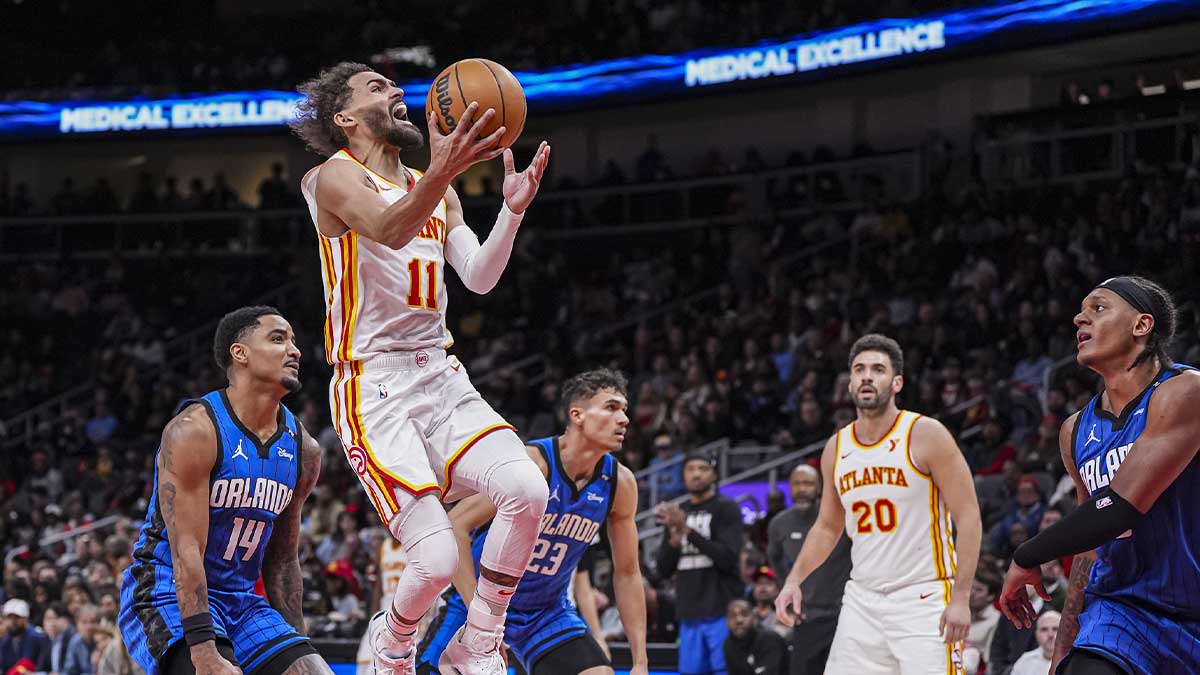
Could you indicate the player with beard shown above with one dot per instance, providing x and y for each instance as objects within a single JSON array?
[
  {"x": 231, "y": 477},
  {"x": 414, "y": 429},
  {"x": 1133, "y": 603},
  {"x": 701, "y": 545},
  {"x": 895, "y": 480},
  {"x": 822, "y": 590}
]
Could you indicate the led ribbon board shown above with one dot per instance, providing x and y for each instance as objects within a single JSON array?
[{"x": 813, "y": 56}]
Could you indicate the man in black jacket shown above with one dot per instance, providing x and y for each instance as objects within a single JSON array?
[
  {"x": 701, "y": 543},
  {"x": 750, "y": 649}
]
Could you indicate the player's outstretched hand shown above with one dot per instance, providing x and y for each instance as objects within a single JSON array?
[
  {"x": 456, "y": 151},
  {"x": 1014, "y": 599},
  {"x": 520, "y": 188},
  {"x": 956, "y": 621},
  {"x": 787, "y": 604}
]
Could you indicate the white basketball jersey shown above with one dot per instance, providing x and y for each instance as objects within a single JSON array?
[
  {"x": 378, "y": 299},
  {"x": 899, "y": 528}
]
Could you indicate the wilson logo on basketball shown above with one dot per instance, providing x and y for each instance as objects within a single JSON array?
[
  {"x": 358, "y": 459},
  {"x": 442, "y": 89},
  {"x": 422, "y": 359}
]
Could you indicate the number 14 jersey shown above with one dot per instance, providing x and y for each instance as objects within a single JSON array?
[
  {"x": 252, "y": 482},
  {"x": 899, "y": 527}
]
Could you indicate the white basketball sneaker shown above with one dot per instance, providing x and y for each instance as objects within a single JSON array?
[
  {"x": 383, "y": 644},
  {"x": 477, "y": 653}
]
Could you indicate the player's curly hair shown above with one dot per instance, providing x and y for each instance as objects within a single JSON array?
[
  {"x": 233, "y": 327},
  {"x": 587, "y": 384},
  {"x": 1166, "y": 319},
  {"x": 324, "y": 95}
]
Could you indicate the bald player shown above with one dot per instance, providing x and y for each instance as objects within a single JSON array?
[{"x": 823, "y": 590}]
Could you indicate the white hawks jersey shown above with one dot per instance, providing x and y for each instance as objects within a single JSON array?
[
  {"x": 899, "y": 527},
  {"x": 378, "y": 299}
]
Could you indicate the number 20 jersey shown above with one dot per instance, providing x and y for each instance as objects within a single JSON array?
[
  {"x": 898, "y": 525},
  {"x": 378, "y": 299},
  {"x": 251, "y": 484}
]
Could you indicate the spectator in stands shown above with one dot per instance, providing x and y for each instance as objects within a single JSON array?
[
  {"x": 988, "y": 455},
  {"x": 668, "y": 477},
  {"x": 812, "y": 637},
  {"x": 87, "y": 620},
  {"x": 703, "y": 538},
  {"x": 1055, "y": 583},
  {"x": 1037, "y": 661},
  {"x": 22, "y": 644},
  {"x": 68, "y": 654},
  {"x": 984, "y": 619},
  {"x": 766, "y": 589},
  {"x": 144, "y": 198},
  {"x": 324, "y": 513},
  {"x": 273, "y": 191},
  {"x": 1010, "y": 642},
  {"x": 749, "y": 648},
  {"x": 1041, "y": 453},
  {"x": 104, "y": 636},
  {"x": 343, "y": 542},
  {"x": 1026, "y": 510},
  {"x": 222, "y": 197}
]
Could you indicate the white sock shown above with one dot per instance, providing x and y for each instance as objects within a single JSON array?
[
  {"x": 487, "y": 609},
  {"x": 402, "y": 634}
]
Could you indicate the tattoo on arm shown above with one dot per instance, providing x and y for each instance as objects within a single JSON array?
[
  {"x": 166, "y": 499},
  {"x": 1068, "y": 627}
]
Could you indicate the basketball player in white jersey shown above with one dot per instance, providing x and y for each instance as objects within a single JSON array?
[
  {"x": 893, "y": 480},
  {"x": 414, "y": 428}
]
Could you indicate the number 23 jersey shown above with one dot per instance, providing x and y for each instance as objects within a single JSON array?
[{"x": 899, "y": 527}]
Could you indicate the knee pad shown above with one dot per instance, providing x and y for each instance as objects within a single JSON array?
[
  {"x": 424, "y": 530},
  {"x": 434, "y": 558},
  {"x": 519, "y": 490}
]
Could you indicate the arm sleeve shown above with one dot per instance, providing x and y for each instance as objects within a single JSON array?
[
  {"x": 480, "y": 266},
  {"x": 723, "y": 548}
]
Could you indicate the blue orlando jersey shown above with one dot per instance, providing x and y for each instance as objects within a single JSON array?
[
  {"x": 572, "y": 520},
  {"x": 1156, "y": 565},
  {"x": 251, "y": 484}
]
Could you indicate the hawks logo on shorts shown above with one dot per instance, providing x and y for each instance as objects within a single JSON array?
[{"x": 358, "y": 460}]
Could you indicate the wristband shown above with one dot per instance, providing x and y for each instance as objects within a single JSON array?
[
  {"x": 198, "y": 628},
  {"x": 1096, "y": 521}
]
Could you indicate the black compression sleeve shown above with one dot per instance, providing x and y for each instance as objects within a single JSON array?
[{"x": 1096, "y": 521}]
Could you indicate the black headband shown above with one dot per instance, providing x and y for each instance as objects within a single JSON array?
[{"x": 1138, "y": 297}]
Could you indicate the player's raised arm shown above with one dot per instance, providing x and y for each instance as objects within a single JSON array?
[
  {"x": 185, "y": 462},
  {"x": 822, "y": 538},
  {"x": 628, "y": 588},
  {"x": 480, "y": 266},
  {"x": 945, "y": 463},
  {"x": 281, "y": 559}
]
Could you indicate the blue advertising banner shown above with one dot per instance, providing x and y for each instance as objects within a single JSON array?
[{"x": 856, "y": 48}]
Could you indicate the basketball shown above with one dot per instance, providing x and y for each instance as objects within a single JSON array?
[{"x": 489, "y": 84}]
